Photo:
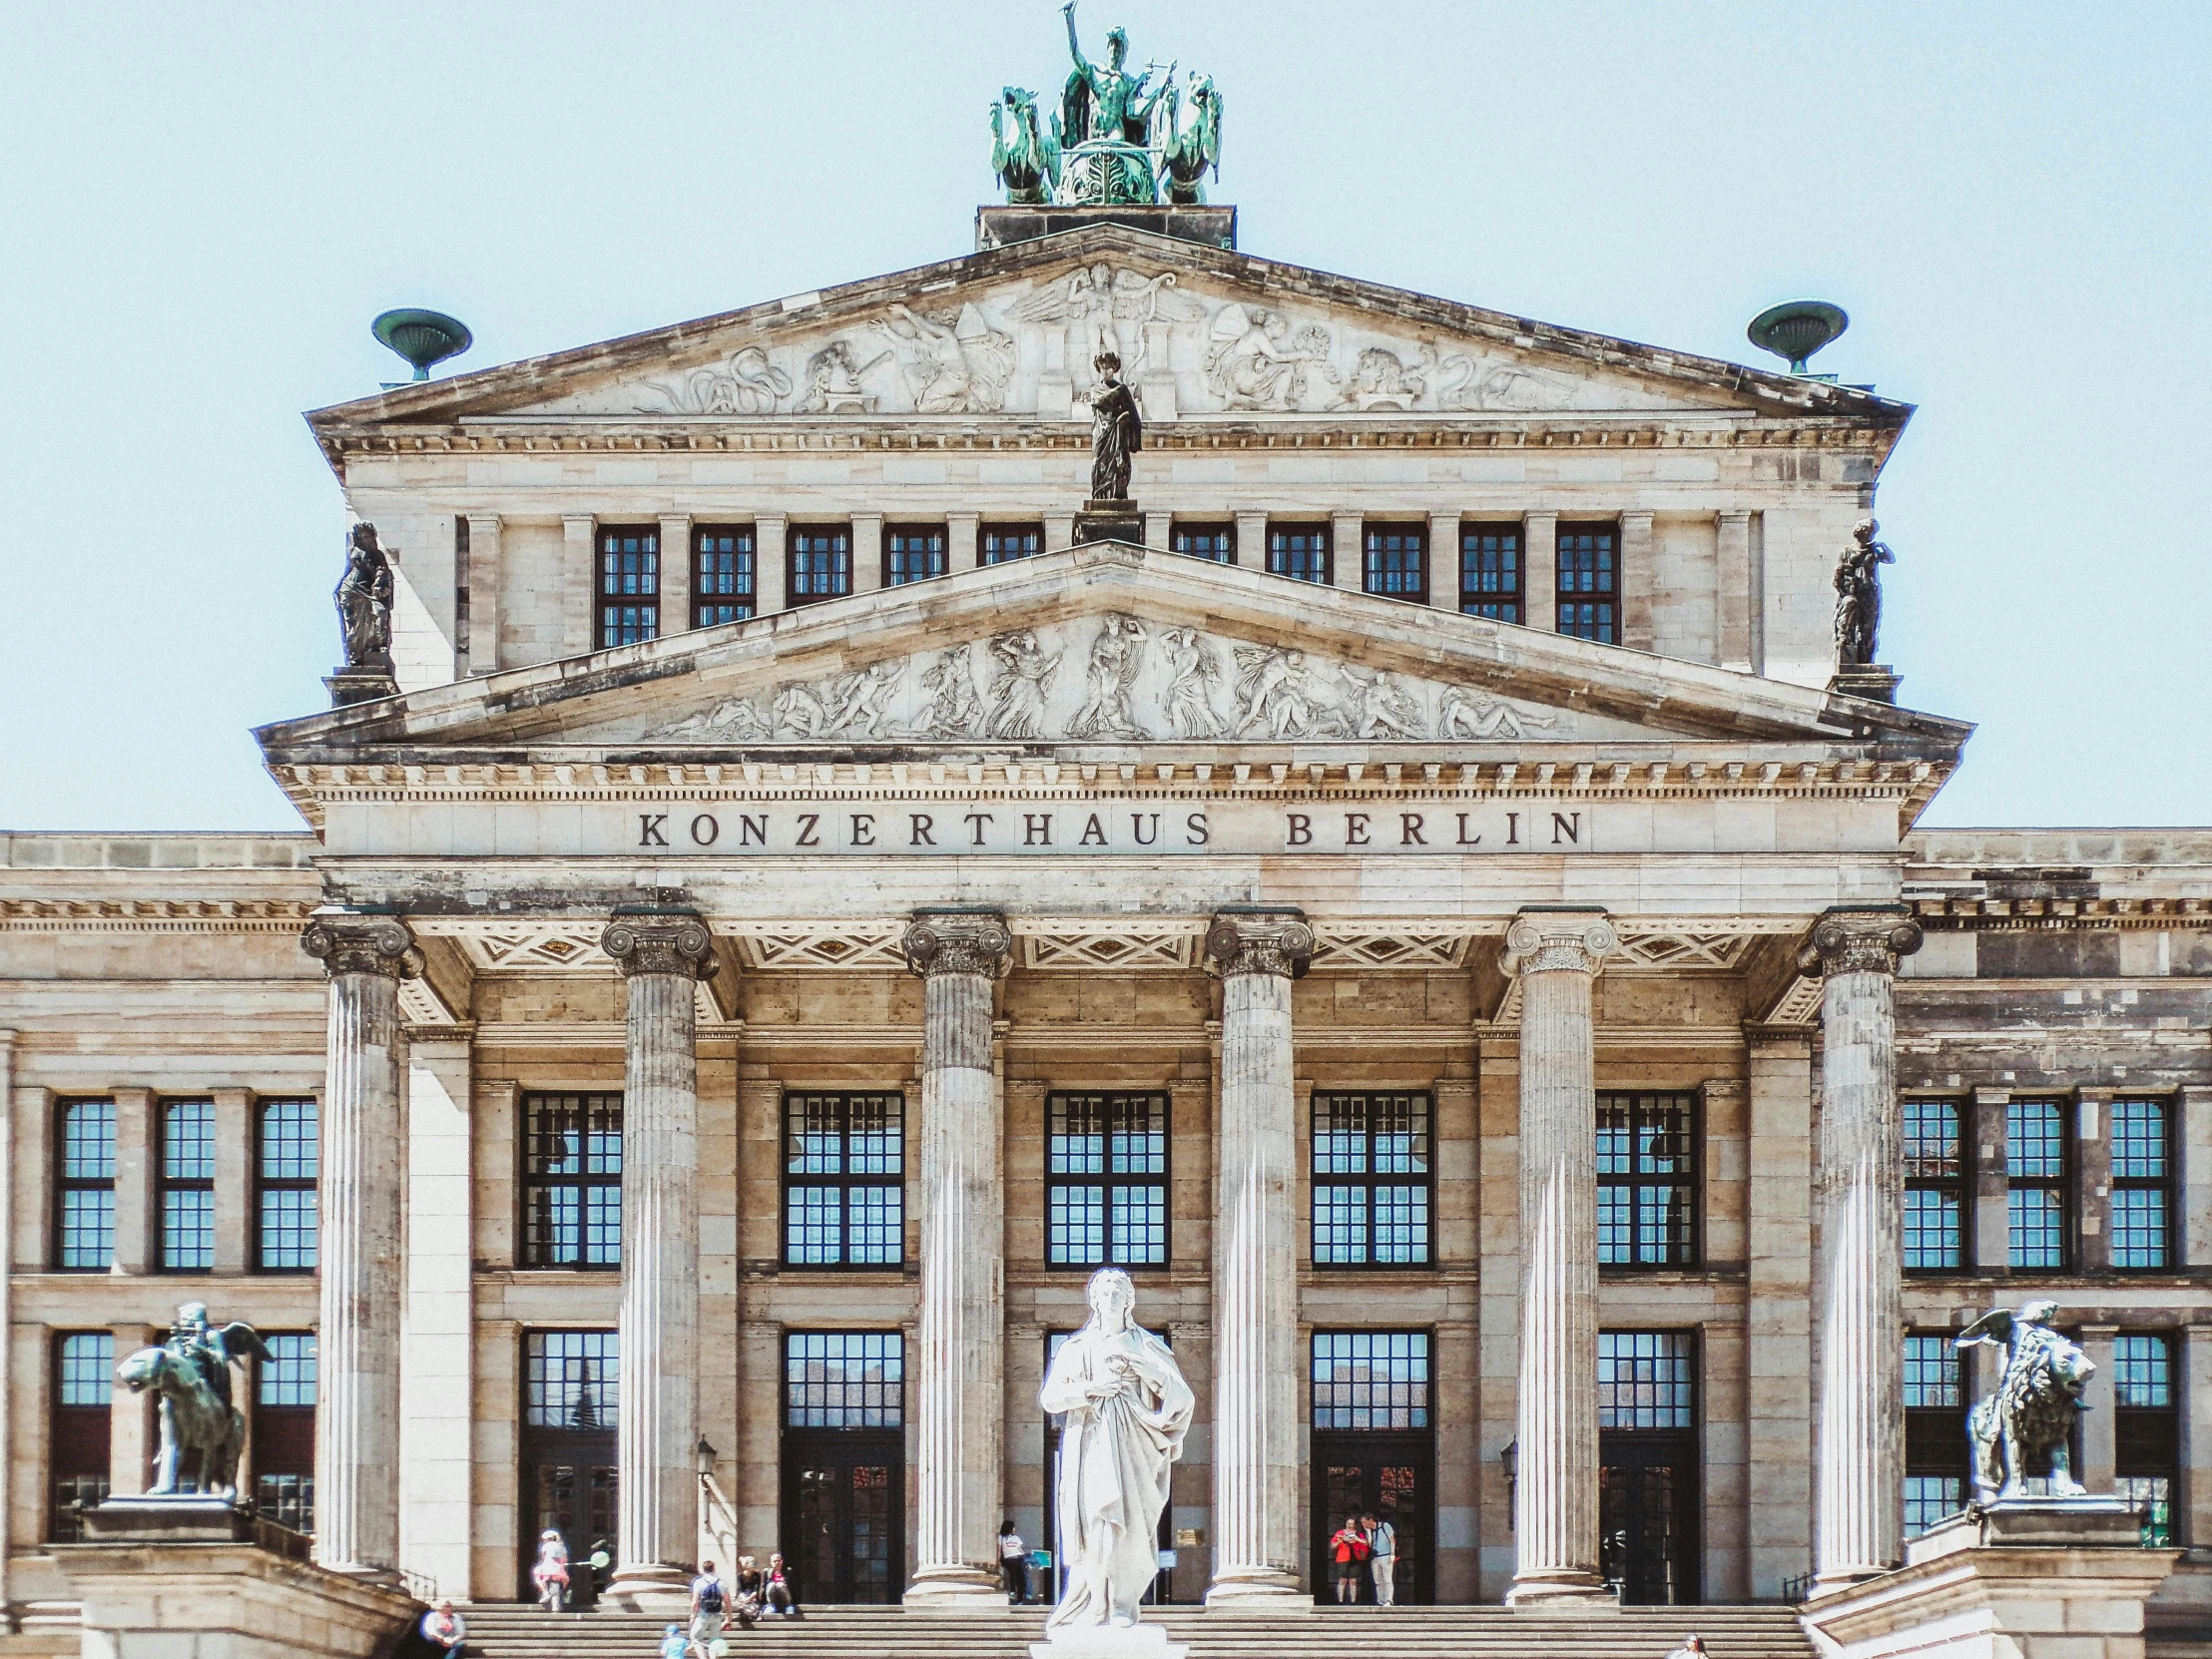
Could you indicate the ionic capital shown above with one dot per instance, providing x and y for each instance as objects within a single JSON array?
[
  {"x": 1863, "y": 939},
  {"x": 958, "y": 941},
  {"x": 1274, "y": 941},
  {"x": 669, "y": 942},
  {"x": 344, "y": 942},
  {"x": 1545, "y": 941}
]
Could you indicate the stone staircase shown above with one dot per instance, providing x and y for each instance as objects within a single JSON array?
[{"x": 511, "y": 1632}]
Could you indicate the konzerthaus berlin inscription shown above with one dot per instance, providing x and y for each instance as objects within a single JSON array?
[{"x": 1377, "y": 818}]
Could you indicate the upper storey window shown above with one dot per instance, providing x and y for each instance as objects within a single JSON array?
[
  {"x": 721, "y": 574},
  {"x": 1935, "y": 1187},
  {"x": 845, "y": 1167},
  {"x": 822, "y": 562},
  {"x": 914, "y": 553},
  {"x": 291, "y": 1163},
  {"x": 1590, "y": 581},
  {"x": 1647, "y": 1179},
  {"x": 188, "y": 1185},
  {"x": 1003, "y": 543},
  {"x": 87, "y": 1185},
  {"x": 1371, "y": 1180},
  {"x": 572, "y": 1181},
  {"x": 1299, "y": 551},
  {"x": 1107, "y": 1197},
  {"x": 2142, "y": 1178},
  {"x": 629, "y": 583},
  {"x": 1397, "y": 561},
  {"x": 1217, "y": 542},
  {"x": 1491, "y": 571},
  {"x": 2036, "y": 1177}
]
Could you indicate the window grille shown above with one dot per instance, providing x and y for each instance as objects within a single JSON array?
[
  {"x": 1647, "y": 1179},
  {"x": 284, "y": 1429},
  {"x": 2142, "y": 1182},
  {"x": 85, "y": 1171},
  {"x": 1370, "y": 1179},
  {"x": 1491, "y": 571},
  {"x": 289, "y": 1165},
  {"x": 1299, "y": 551},
  {"x": 1215, "y": 542},
  {"x": 844, "y": 1380},
  {"x": 572, "y": 1380},
  {"x": 629, "y": 583},
  {"x": 1646, "y": 1379},
  {"x": 1935, "y": 1187},
  {"x": 1004, "y": 543},
  {"x": 914, "y": 553},
  {"x": 572, "y": 1181},
  {"x": 1397, "y": 563},
  {"x": 2146, "y": 1428},
  {"x": 2035, "y": 1172},
  {"x": 1106, "y": 1199},
  {"x": 188, "y": 1186},
  {"x": 1590, "y": 581},
  {"x": 1375, "y": 1379},
  {"x": 78, "y": 1432},
  {"x": 1935, "y": 1431},
  {"x": 844, "y": 1170},
  {"x": 820, "y": 563},
  {"x": 721, "y": 574}
]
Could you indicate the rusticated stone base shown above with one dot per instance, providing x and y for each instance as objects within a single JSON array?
[{"x": 226, "y": 1601}]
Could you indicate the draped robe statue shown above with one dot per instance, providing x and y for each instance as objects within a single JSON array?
[
  {"x": 1117, "y": 429},
  {"x": 1127, "y": 1409}
]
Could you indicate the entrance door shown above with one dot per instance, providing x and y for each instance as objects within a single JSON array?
[
  {"x": 845, "y": 1513},
  {"x": 568, "y": 1485},
  {"x": 1391, "y": 1476},
  {"x": 1649, "y": 1516}
]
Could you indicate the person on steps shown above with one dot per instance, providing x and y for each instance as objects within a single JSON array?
[
  {"x": 710, "y": 1605},
  {"x": 1014, "y": 1563},
  {"x": 780, "y": 1595},
  {"x": 1351, "y": 1551},
  {"x": 1382, "y": 1559},
  {"x": 443, "y": 1626},
  {"x": 550, "y": 1573}
]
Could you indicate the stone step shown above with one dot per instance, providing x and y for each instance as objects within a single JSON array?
[{"x": 498, "y": 1631}]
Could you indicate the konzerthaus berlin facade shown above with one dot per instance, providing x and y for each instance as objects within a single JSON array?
[{"x": 800, "y": 913}]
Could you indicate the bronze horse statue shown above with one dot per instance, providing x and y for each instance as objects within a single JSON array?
[
  {"x": 195, "y": 1416},
  {"x": 2022, "y": 1429}
]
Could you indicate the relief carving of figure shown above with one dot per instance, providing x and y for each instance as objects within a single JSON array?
[
  {"x": 747, "y": 385},
  {"x": 1379, "y": 705},
  {"x": 363, "y": 599},
  {"x": 1117, "y": 657},
  {"x": 858, "y": 703},
  {"x": 1021, "y": 674},
  {"x": 1194, "y": 670},
  {"x": 1280, "y": 695},
  {"x": 798, "y": 713},
  {"x": 1859, "y": 595},
  {"x": 1024, "y": 161},
  {"x": 956, "y": 710},
  {"x": 1107, "y": 311},
  {"x": 738, "y": 718},
  {"x": 1380, "y": 379},
  {"x": 953, "y": 364},
  {"x": 1255, "y": 360},
  {"x": 2024, "y": 1429},
  {"x": 1463, "y": 712},
  {"x": 833, "y": 383}
]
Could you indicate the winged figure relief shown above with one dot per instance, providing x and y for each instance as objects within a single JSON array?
[
  {"x": 1380, "y": 706},
  {"x": 738, "y": 719},
  {"x": 1022, "y": 675},
  {"x": 956, "y": 710},
  {"x": 1194, "y": 671},
  {"x": 1108, "y": 308},
  {"x": 1461, "y": 712},
  {"x": 1255, "y": 360},
  {"x": 953, "y": 364},
  {"x": 1280, "y": 696},
  {"x": 747, "y": 384},
  {"x": 1117, "y": 657}
]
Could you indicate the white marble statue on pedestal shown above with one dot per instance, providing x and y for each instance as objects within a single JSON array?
[{"x": 1127, "y": 1408}]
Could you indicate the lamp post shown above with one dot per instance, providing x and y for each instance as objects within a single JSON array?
[
  {"x": 705, "y": 1453},
  {"x": 1508, "y": 1459}
]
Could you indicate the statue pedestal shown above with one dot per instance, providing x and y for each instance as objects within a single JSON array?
[
  {"x": 999, "y": 226},
  {"x": 359, "y": 685},
  {"x": 1109, "y": 1641},
  {"x": 1875, "y": 681},
  {"x": 2042, "y": 1579},
  {"x": 173, "y": 1518},
  {"x": 1109, "y": 521}
]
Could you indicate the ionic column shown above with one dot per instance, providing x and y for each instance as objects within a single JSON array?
[
  {"x": 1258, "y": 1527},
  {"x": 961, "y": 1373},
  {"x": 1555, "y": 1525},
  {"x": 1860, "y": 1469},
  {"x": 662, "y": 955},
  {"x": 362, "y": 1277}
]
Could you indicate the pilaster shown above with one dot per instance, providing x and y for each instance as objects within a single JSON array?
[
  {"x": 1059, "y": 533},
  {"x": 1637, "y": 578},
  {"x": 579, "y": 581},
  {"x": 1985, "y": 1125},
  {"x": 1540, "y": 570},
  {"x": 235, "y": 1146},
  {"x": 964, "y": 540},
  {"x": 771, "y": 563},
  {"x": 138, "y": 1237},
  {"x": 483, "y": 593},
  {"x": 1778, "y": 1334},
  {"x": 132, "y": 1437},
  {"x": 437, "y": 1362},
  {"x": 2092, "y": 1117},
  {"x": 1444, "y": 561},
  {"x": 1347, "y": 554},
  {"x": 868, "y": 552},
  {"x": 676, "y": 573},
  {"x": 1732, "y": 601},
  {"x": 1252, "y": 540}
]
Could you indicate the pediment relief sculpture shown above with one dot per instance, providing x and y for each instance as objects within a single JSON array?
[{"x": 1119, "y": 677}]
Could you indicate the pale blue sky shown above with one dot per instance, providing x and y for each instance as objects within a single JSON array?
[{"x": 203, "y": 208}]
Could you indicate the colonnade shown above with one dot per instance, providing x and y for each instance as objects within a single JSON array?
[{"x": 1259, "y": 1523}]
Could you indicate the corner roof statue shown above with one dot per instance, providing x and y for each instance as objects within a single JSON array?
[
  {"x": 1859, "y": 595},
  {"x": 190, "y": 1372},
  {"x": 363, "y": 600},
  {"x": 2023, "y": 1430},
  {"x": 1116, "y": 138}
]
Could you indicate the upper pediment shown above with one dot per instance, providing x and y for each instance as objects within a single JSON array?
[{"x": 1011, "y": 332}]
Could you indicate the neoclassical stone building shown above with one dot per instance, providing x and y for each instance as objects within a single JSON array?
[{"x": 1427, "y": 912}]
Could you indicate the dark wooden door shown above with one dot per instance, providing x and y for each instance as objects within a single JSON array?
[
  {"x": 844, "y": 1516},
  {"x": 1392, "y": 1477},
  {"x": 1649, "y": 1515},
  {"x": 568, "y": 1485}
]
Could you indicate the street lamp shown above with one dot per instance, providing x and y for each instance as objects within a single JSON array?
[
  {"x": 704, "y": 1453},
  {"x": 1509, "y": 1461}
]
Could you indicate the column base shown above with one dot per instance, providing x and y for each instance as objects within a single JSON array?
[
  {"x": 957, "y": 1588},
  {"x": 1563, "y": 1593},
  {"x": 649, "y": 1588},
  {"x": 1259, "y": 1590}
]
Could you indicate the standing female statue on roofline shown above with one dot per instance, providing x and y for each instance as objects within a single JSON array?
[
  {"x": 1117, "y": 429},
  {"x": 1127, "y": 1409}
]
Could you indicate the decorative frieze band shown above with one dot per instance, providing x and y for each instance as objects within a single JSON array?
[
  {"x": 941, "y": 941},
  {"x": 667, "y": 942},
  {"x": 346, "y": 943}
]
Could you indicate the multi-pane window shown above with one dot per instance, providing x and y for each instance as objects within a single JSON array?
[
  {"x": 1646, "y": 1379},
  {"x": 2035, "y": 1176},
  {"x": 290, "y": 1163},
  {"x": 1646, "y": 1180},
  {"x": 1370, "y": 1380},
  {"x": 629, "y": 583},
  {"x": 1590, "y": 581},
  {"x": 844, "y": 1380},
  {"x": 84, "y": 1380},
  {"x": 283, "y": 1430},
  {"x": 1491, "y": 571},
  {"x": 572, "y": 1380},
  {"x": 84, "y": 1178},
  {"x": 2142, "y": 1182},
  {"x": 1217, "y": 542},
  {"x": 1397, "y": 561},
  {"x": 820, "y": 561},
  {"x": 1299, "y": 551},
  {"x": 1372, "y": 1178},
  {"x": 721, "y": 574},
  {"x": 1935, "y": 1187},
  {"x": 914, "y": 553},
  {"x": 2146, "y": 1428},
  {"x": 1106, "y": 1193},
  {"x": 844, "y": 1161},
  {"x": 1004, "y": 543},
  {"x": 572, "y": 1181},
  {"x": 1935, "y": 1432},
  {"x": 188, "y": 1185}
]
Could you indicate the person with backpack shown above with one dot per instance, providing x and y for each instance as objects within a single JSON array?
[
  {"x": 710, "y": 1603},
  {"x": 1382, "y": 1559},
  {"x": 1350, "y": 1550}
]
